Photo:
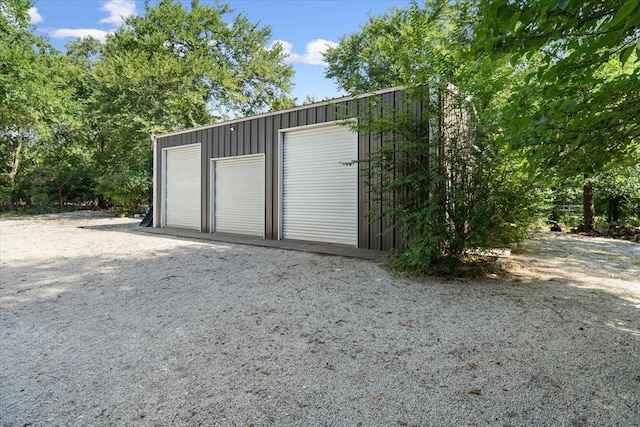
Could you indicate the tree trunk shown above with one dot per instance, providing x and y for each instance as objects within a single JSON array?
[
  {"x": 588, "y": 207},
  {"x": 102, "y": 202},
  {"x": 613, "y": 210},
  {"x": 15, "y": 163}
]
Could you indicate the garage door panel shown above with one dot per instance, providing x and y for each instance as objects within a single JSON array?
[
  {"x": 319, "y": 191},
  {"x": 182, "y": 187},
  {"x": 238, "y": 201}
]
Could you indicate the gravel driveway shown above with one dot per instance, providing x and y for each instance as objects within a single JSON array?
[{"x": 104, "y": 325}]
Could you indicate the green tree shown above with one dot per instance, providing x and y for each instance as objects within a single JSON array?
[
  {"x": 175, "y": 67},
  {"x": 577, "y": 112},
  {"x": 617, "y": 191},
  {"x": 441, "y": 176},
  {"x": 82, "y": 121},
  {"x": 183, "y": 66},
  {"x": 34, "y": 98},
  {"x": 395, "y": 48}
]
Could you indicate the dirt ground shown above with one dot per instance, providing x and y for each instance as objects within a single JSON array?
[{"x": 102, "y": 324}]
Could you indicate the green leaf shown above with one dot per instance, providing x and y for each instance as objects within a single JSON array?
[
  {"x": 626, "y": 53},
  {"x": 568, "y": 106},
  {"x": 523, "y": 122},
  {"x": 514, "y": 20},
  {"x": 623, "y": 12}
]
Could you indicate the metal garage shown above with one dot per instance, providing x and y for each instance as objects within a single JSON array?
[
  {"x": 181, "y": 201},
  {"x": 319, "y": 192},
  {"x": 279, "y": 174},
  {"x": 237, "y": 199}
]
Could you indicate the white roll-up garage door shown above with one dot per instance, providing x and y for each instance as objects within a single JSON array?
[
  {"x": 319, "y": 193},
  {"x": 238, "y": 195},
  {"x": 182, "y": 186}
]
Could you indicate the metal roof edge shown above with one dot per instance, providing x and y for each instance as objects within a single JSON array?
[{"x": 287, "y": 110}]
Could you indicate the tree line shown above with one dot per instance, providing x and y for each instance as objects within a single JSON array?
[{"x": 75, "y": 126}]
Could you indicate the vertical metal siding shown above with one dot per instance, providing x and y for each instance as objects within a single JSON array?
[
  {"x": 253, "y": 136},
  {"x": 204, "y": 185},
  {"x": 260, "y": 135},
  {"x": 320, "y": 194},
  {"x": 271, "y": 185},
  {"x": 363, "y": 199},
  {"x": 387, "y": 242},
  {"x": 331, "y": 113},
  {"x": 239, "y": 135}
]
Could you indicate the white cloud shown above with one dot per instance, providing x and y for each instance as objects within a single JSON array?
[
  {"x": 118, "y": 10},
  {"x": 36, "y": 18},
  {"x": 62, "y": 33},
  {"x": 312, "y": 53}
]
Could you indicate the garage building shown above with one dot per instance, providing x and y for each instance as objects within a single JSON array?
[{"x": 278, "y": 175}]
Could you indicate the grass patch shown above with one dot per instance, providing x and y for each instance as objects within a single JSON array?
[
  {"x": 469, "y": 266},
  {"x": 38, "y": 210}
]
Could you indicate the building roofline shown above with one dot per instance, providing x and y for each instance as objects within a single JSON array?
[{"x": 287, "y": 110}]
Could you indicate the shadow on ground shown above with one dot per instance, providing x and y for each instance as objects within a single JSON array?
[{"x": 109, "y": 326}]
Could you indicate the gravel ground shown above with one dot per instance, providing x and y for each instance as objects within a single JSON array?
[{"x": 105, "y": 325}]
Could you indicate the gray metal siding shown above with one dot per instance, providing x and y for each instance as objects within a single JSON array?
[
  {"x": 388, "y": 238},
  {"x": 260, "y": 135},
  {"x": 270, "y": 137},
  {"x": 368, "y": 235}
]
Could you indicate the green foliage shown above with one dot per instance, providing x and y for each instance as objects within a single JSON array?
[
  {"x": 396, "y": 48},
  {"x": 171, "y": 68},
  {"x": 57, "y": 175},
  {"x": 506, "y": 202},
  {"x": 577, "y": 112},
  {"x": 178, "y": 65},
  {"x": 619, "y": 182},
  {"x": 129, "y": 189},
  {"x": 35, "y": 99},
  {"x": 446, "y": 194},
  {"x": 77, "y": 126},
  {"x": 616, "y": 197},
  {"x": 580, "y": 35},
  {"x": 443, "y": 177},
  {"x": 617, "y": 194}
]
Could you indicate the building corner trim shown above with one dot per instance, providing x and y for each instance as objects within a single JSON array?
[{"x": 154, "y": 197}]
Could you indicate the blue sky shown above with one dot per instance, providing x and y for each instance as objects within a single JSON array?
[{"x": 305, "y": 27}]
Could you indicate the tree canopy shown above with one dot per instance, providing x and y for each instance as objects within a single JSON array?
[
  {"x": 36, "y": 103},
  {"x": 403, "y": 46},
  {"x": 577, "y": 111},
  {"x": 95, "y": 107},
  {"x": 188, "y": 66}
]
